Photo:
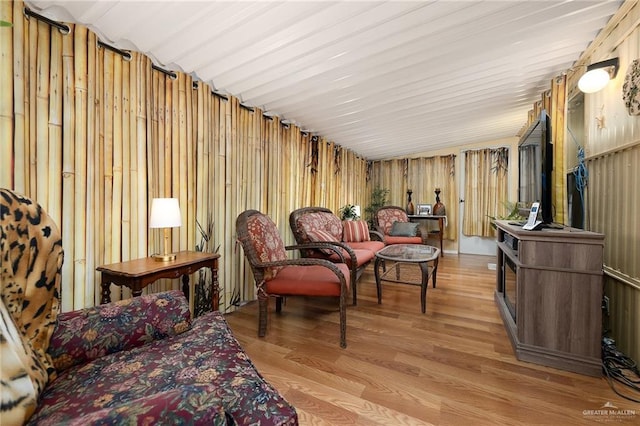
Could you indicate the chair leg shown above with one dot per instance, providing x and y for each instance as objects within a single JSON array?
[
  {"x": 263, "y": 304},
  {"x": 354, "y": 280},
  {"x": 279, "y": 303},
  {"x": 343, "y": 321}
]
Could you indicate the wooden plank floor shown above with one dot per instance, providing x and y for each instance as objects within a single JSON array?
[{"x": 453, "y": 365}]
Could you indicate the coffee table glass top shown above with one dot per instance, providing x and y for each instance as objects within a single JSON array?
[{"x": 409, "y": 253}]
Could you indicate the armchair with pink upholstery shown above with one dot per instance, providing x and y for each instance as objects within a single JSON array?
[
  {"x": 277, "y": 275},
  {"x": 319, "y": 224},
  {"x": 393, "y": 223}
]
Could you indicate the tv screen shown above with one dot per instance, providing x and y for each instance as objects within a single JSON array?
[{"x": 535, "y": 155}]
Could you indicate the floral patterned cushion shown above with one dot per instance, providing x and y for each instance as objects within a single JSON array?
[
  {"x": 183, "y": 378},
  {"x": 267, "y": 242},
  {"x": 322, "y": 221},
  {"x": 87, "y": 334},
  {"x": 386, "y": 217}
]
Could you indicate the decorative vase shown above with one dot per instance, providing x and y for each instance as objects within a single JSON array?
[
  {"x": 438, "y": 208},
  {"x": 410, "y": 206}
]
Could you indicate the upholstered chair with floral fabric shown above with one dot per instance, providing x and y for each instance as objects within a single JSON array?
[
  {"x": 358, "y": 243},
  {"x": 277, "y": 275},
  {"x": 393, "y": 223}
]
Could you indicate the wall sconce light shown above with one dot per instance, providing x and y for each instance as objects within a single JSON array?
[
  {"x": 165, "y": 213},
  {"x": 598, "y": 75}
]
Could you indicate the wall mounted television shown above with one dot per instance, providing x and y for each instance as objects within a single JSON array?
[{"x": 535, "y": 162}]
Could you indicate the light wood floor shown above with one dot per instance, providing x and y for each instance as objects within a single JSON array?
[{"x": 453, "y": 365}]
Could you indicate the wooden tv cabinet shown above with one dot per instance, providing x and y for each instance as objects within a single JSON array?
[{"x": 558, "y": 288}]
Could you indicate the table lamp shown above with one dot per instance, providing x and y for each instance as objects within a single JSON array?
[{"x": 165, "y": 213}]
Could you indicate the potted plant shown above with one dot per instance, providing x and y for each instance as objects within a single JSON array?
[
  {"x": 349, "y": 212},
  {"x": 378, "y": 199},
  {"x": 204, "y": 287},
  {"x": 513, "y": 213}
]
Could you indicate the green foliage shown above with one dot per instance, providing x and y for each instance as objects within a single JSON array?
[
  {"x": 378, "y": 199},
  {"x": 348, "y": 212},
  {"x": 204, "y": 286},
  {"x": 513, "y": 213}
]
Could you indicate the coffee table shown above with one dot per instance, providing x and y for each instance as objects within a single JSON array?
[{"x": 407, "y": 253}]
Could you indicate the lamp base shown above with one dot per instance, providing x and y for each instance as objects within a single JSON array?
[{"x": 164, "y": 257}]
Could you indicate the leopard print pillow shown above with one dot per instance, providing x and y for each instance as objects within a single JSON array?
[{"x": 31, "y": 259}]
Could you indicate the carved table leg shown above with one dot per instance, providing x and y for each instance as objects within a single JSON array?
[
  {"x": 215, "y": 297},
  {"x": 185, "y": 285},
  {"x": 106, "y": 293}
]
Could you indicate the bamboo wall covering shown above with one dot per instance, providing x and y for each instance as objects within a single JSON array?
[
  {"x": 422, "y": 176},
  {"x": 93, "y": 136}
]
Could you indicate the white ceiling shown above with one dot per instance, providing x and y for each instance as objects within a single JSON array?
[{"x": 383, "y": 79}]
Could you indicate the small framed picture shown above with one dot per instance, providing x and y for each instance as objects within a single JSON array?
[{"x": 424, "y": 210}]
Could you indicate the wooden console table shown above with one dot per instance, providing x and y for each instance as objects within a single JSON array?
[
  {"x": 442, "y": 222},
  {"x": 139, "y": 273},
  {"x": 549, "y": 294}
]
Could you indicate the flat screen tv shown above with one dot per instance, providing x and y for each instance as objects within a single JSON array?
[{"x": 535, "y": 155}]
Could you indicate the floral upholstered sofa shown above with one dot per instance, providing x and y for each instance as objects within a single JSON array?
[
  {"x": 138, "y": 361},
  {"x": 145, "y": 359}
]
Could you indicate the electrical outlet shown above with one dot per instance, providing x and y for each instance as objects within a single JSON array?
[{"x": 605, "y": 305}]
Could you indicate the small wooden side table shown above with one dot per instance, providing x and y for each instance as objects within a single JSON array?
[{"x": 139, "y": 273}]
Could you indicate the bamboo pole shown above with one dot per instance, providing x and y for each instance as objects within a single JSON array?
[
  {"x": 42, "y": 113},
  {"x": 114, "y": 94},
  {"x": 191, "y": 116},
  {"x": 142, "y": 135},
  {"x": 216, "y": 186},
  {"x": 32, "y": 43},
  {"x": 102, "y": 208},
  {"x": 6, "y": 97},
  {"x": 106, "y": 95},
  {"x": 165, "y": 175},
  {"x": 155, "y": 152},
  {"x": 68, "y": 208},
  {"x": 18, "y": 140},
  {"x": 232, "y": 111},
  {"x": 21, "y": 105},
  {"x": 182, "y": 169},
  {"x": 54, "y": 136},
  {"x": 128, "y": 171},
  {"x": 140, "y": 130},
  {"x": 201, "y": 157},
  {"x": 81, "y": 293},
  {"x": 81, "y": 106}
]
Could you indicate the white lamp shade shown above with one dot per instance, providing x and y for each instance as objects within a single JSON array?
[
  {"x": 594, "y": 80},
  {"x": 356, "y": 210},
  {"x": 165, "y": 213}
]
